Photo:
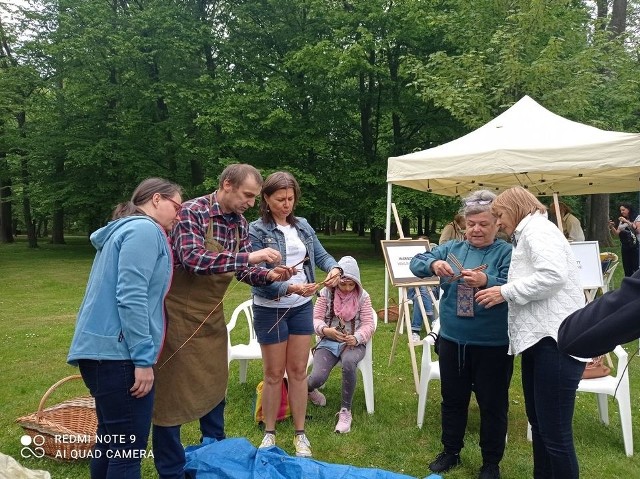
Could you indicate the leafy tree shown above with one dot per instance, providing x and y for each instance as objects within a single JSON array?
[{"x": 549, "y": 50}]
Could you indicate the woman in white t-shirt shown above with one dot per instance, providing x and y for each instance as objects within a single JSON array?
[{"x": 283, "y": 310}]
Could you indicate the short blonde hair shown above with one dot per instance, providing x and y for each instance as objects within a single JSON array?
[{"x": 517, "y": 203}]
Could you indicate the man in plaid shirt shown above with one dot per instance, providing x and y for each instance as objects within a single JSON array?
[{"x": 210, "y": 245}]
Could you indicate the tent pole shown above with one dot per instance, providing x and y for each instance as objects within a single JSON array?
[
  {"x": 556, "y": 205},
  {"x": 387, "y": 235}
]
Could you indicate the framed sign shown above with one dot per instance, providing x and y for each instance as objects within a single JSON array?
[
  {"x": 587, "y": 255},
  {"x": 398, "y": 255}
]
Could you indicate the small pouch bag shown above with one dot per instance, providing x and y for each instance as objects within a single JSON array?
[
  {"x": 596, "y": 368},
  {"x": 465, "y": 301}
]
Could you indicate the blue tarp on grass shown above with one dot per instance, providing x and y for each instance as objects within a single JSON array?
[{"x": 237, "y": 458}]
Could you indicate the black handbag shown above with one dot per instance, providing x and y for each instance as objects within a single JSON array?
[{"x": 628, "y": 240}]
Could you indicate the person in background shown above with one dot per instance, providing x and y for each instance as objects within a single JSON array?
[
  {"x": 570, "y": 224},
  {"x": 283, "y": 311},
  {"x": 416, "y": 314},
  {"x": 453, "y": 230},
  {"x": 473, "y": 344},
  {"x": 120, "y": 324},
  {"x": 543, "y": 288},
  {"x": 626, "y": 230},
  {"x": 210, "y": 243},
  {"x": 343, "y": 320}
]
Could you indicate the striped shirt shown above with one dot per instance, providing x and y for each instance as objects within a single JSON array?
[{"x": 230, "y": 230}]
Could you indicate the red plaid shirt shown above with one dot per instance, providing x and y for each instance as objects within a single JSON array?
[{"x": 188, "y": 238}]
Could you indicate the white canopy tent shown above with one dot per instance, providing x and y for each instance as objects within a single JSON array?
[
  {"x": 526, "y": 145},
  {"x": 530, "y": 146}
]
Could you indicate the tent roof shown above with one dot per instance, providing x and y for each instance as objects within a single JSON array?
[{"x": 530, "y": 146}]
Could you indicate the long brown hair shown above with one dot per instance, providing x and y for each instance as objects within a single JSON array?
[
  {"x": 278, "y": 181},
  {"x": 143, "y": 193}
]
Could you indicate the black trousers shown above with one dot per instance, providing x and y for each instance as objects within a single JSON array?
[
  {"x": 487, "y": 371},
  {"x": 629, "y": 260}
]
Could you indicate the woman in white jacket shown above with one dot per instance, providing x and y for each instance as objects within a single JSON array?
[{"x": 543, "y": 288}]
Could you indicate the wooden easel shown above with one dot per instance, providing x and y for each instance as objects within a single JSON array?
[{"x": 404, "y": 318}]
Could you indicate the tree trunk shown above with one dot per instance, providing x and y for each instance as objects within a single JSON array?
[
  {"x": 618, "y": 22},
  {"x": 26, "y": 202},
  {"x": 602, "y": 7},
  {"x": 57, "y": 226},
  {"x": 406, "y": 226},
  {"x": 377, "y": 234},
  {"x": 366, "y": 88},
  {"x": 599, "y": 219},
  {"x": 394, "y": 66},
  {"x": 26, "y": 206},
  {"x": 6, "y": 214}
]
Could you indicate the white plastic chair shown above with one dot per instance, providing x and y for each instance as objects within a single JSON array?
[
  {"x": 608, "y": 276},
  {"x": 617, "y": 386},
  {"x": 429, "y": 370},
  {"x": 243, "y": 352},
  {"x": 366, "y": 368}
]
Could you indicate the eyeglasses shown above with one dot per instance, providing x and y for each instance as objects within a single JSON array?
[
  {"x": 176, "y": 205},
  {"x": 477, "y": 202},
  {"x": 347, "y": 282}
]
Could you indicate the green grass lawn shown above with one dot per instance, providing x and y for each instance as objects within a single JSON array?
[{"x": 40, "y": 291}]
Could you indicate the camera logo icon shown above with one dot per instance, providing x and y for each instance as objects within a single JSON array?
[{"x": 32, "y": 446}]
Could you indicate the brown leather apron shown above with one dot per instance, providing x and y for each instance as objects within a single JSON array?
[{"x": 194, "y": 380}]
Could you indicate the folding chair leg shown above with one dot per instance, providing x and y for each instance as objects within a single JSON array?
[
  {"x": 243, "y": 369},
  {"x": 624, "y": 405},
  {"x": 367, "y": 382},
  {"x": 603, "y": 407}
]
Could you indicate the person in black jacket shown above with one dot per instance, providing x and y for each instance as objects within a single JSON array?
[{"x": 604, "y": 323}]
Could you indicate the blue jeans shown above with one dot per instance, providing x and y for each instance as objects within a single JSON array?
[
  {"x": 416, "y": 318},
  {"x": 168, "y": 451},
  {"x": 549, "y": 381},
  {"x": 294, "y": 320},
  {"x": 123, "y": 420}
]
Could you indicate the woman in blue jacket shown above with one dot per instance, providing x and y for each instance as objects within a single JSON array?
[
  {"x": 120, "y": 325},
  {"x": 283, "y": 311}
]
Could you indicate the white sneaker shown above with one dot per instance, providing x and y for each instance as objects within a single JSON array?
[
  {"x": 317, "y": 398},
  {"x": 268, "y": 440},
  {"x": 301, "y": 443},
  {"x": 344, "y": 421},
  {"x": 415, "y": 337}
]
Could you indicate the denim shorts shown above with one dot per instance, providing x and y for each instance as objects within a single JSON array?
[{"x": 296, "y": 320}]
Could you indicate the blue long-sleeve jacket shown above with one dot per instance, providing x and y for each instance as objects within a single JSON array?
[{"x": 122, "y": 314}]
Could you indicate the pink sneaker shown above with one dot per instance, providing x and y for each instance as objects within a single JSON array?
[
  {"x": 344, "y": 421},
  {"x": 317, "y": 398}
]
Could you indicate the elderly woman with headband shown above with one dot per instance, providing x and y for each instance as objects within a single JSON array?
[
  {"x": 543, "y": 289},
  {"x": 473, "y": 344}
]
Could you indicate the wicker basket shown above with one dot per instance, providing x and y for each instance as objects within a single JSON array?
[
  {"x": 65, "y": 431},
  {"x": 393, "y": 309}
]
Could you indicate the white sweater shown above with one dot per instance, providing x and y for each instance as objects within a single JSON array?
[{"x": 543, "y": 284}]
